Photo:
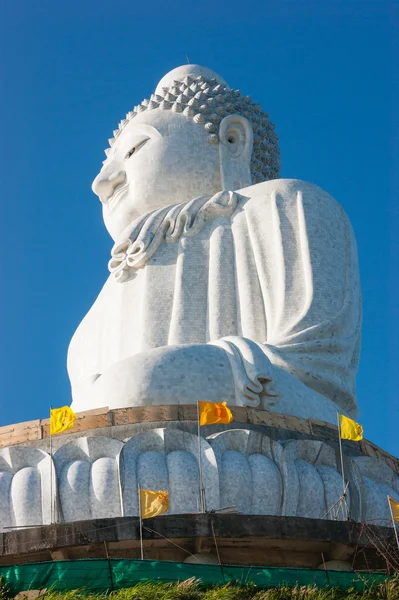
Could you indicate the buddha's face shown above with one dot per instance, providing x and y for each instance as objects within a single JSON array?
[{"x": 160, "y": 158}]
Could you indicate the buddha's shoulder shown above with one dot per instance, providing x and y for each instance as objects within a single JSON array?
[{"x": 287, "y": 191}]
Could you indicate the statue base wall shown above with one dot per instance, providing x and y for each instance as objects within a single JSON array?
[
  {"x": 240, "y": 539},
  {"x": 270, "y": 468}
]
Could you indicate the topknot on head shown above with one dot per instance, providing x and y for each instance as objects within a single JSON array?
[{"x": 189, "y": 75}]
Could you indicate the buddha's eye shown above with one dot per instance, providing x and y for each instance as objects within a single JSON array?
[{"x": 136, "y": 148}]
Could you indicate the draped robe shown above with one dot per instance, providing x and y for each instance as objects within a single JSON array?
[{"x": 269, "y": 274}]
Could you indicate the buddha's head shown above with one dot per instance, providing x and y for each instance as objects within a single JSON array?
[{"x": 195, "y": 136}]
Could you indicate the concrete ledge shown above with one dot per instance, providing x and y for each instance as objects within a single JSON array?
[
  {"x": 241, "y": 539},
  {"x": 118, "y": 422}
]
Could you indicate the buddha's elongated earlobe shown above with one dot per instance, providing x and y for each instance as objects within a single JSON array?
[{"x": 235, "y": 150}]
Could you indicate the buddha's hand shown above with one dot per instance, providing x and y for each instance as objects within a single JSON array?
[{"x": 167, "y": 375}]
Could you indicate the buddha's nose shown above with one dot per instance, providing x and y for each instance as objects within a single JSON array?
[{"x": 105, "y": 184}]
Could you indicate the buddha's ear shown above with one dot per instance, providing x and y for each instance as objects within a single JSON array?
[{"x": 235, "y": 151}]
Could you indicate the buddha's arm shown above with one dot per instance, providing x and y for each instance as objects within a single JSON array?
[
  {"x": 167, "y": 375},
  {"x": 232, "y": 369},
  {"x": 306, "y": 261}
]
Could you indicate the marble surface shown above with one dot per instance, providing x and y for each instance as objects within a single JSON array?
[
  {"x": 88, "y": 478},
  {"x": 226, "y": 282},
  {"x": 25, "y": 486},
  {"x": 167, "y": 459},
  {"x": 98, "y": 477},
  {"x": 249, "y": 477}
]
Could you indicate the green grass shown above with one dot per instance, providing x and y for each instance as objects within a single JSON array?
[{"x": 194, "y": 590}]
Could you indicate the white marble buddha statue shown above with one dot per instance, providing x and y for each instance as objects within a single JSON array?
[{"x": 226, "y": 283}]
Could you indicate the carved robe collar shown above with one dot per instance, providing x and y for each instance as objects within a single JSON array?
[{"x": 170, "y": 224}]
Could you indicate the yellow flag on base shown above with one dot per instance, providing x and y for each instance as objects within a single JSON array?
[
  {"x": 61, "y": 419},
  {"x": 350, "y": 430},
  {"x": 214, "y": 412},
  {"x": 153, "y": 503},
  {"x": 394, "y": 509}
]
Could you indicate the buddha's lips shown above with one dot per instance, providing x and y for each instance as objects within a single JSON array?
[{"x": 116, "y": 196}]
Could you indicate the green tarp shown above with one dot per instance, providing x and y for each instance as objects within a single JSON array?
[{"x": 96, "y": 575}]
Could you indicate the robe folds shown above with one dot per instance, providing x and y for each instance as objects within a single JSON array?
[{"x": 268, "y": 273}]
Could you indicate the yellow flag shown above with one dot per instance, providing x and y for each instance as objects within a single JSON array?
[
  {"x": 61, "y": 419},
  {"x": 212, "y": 412},
  {"x": 394, "y": 509},
  {"x": 153, "y": 503},
  {"x": 350, "y": 430}
]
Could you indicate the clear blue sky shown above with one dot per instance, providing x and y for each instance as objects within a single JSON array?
[{"x": 325, "y": 71}]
